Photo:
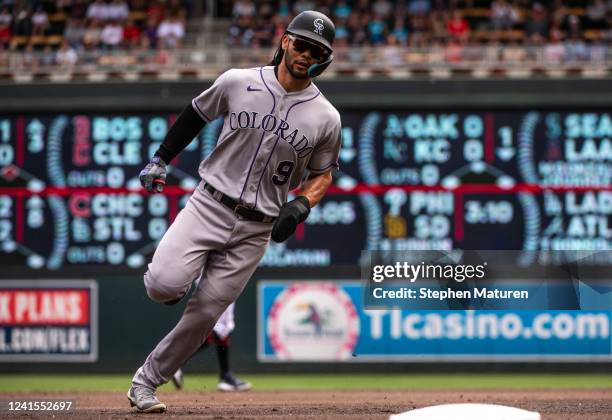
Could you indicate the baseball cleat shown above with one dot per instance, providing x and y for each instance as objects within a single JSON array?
[
  {"x": 177, "y": 379},
  {"x": 230, "y": 383},
  {"x": 145, "y": 400}
]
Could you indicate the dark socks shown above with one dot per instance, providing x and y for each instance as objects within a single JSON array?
[{"x": 223, "y": 358}]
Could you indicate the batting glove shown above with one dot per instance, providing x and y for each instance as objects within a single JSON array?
[
  {"x": 153, "y": 176},
  {"x": 291, "y": 214}
]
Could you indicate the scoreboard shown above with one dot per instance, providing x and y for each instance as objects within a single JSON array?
[{"x": 520, "y": 180}]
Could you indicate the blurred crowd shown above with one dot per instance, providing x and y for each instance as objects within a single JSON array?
[
  {"x": 384, "y": 32},
  {"x": 423, "y": 23},
  {"x": 61, "y": 31}
]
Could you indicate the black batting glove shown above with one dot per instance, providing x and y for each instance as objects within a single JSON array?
[{"x": 291, "y": 214}]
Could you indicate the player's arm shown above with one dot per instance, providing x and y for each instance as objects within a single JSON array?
[
  {"x": 185, "y": 128},
  {"x": 315, "y": 187},
  {"x": 207, "y": 106}
]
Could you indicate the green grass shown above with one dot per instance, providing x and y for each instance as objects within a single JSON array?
[{"x": 96, "y": 382}]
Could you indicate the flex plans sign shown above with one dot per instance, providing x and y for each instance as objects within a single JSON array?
[{"x": 48, "y": 321}]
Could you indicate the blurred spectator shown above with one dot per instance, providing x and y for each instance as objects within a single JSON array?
[
  {"x": 342, "y": 10},
  {"x": 399, "y": 31},
  {"x": 243, "y": 8},
  {"x": 377, "y": 30},
  {"x": 63, "y": 6},
  {"x": 150, "y": 32},
  {"x": 117, "y": 10},
  {"x": 362, "y": 6},
  {"x": 263, "y": 33},
  {"x": 492, "y": 51},
  {"x": 143, "y": 47},
  {"x": 439, "y": 30},
  {"x": 139, "y": 5},
  {"x": 66, "y": 56},
  {"x": 400, "y": 9},
  {"x": 392, "y": 53},
  {"x": 175, "y": 7},
  {"x": 419, "y": 27},
  {"x": 457, "y": 26},
  {"x": 111, "y": 35},
  {"x": 302, "y": 5},
  {"x": 40, "y": 21},
  {"x": 75, "y": 32},
  {"x": 514, "y": 53},
  {"x": 559, "y": 14},
  {"x": 156, "y": 11},
  {"x": 131, "y": 34},
  {"x": 4, "y": 57},
  {"x": 97, "y": 11},
  {"x": 382, "y": 8},
  {"x": 576, "y": 49},
  {"x": 537, "y": 24},
  {"x": 596, "y": 14},
  {"x": 29, "y": 61},
  {"x": 78, "y": 9},
  {"x": 46, "y": 57},
  {"x": 279, "y": 24},
  {"x": 6, "y": 19},
  {"x": 171, "y": 32},
  {"x": 438, "y": 21},
  {"x": 503, "y": 15},
  {"x": 353, "y": 25},
  {"x": 10, "y": 4},
  {"x": 342, "y": 31},
  {"x": 283, "y": 9},
  {"x": 326, "y": 7},
  {"x": 574, "y": 28},
  {"x": 91, "y": 38},
  {"x": 554, "y": 51},
  {"x": 453, "y": 51},
  {"x": 241, "y": 33},
  {"x": 419, "y": 7},
  {"x": 265, "y": 10},
  {"x": 23, "y": 22}
]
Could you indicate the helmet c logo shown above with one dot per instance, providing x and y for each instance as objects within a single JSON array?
[{"x": 318, "y": 24}]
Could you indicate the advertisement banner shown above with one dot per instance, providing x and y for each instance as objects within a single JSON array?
[
  {"x": 324, "y": 321},
  {"x": 48, "y": 321}
]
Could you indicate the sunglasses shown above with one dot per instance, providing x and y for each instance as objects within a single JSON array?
[{"x": 301, "y": 46}]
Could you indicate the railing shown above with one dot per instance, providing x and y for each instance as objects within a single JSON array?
[{"x": 471, "y": 58}]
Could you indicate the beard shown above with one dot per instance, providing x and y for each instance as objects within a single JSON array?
[{"x": 289, "y": 64}]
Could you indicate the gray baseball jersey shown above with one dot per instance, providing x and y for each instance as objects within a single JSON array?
[
  {"x": 269, "y": 139},
  {"x": 269, "y": 136}
]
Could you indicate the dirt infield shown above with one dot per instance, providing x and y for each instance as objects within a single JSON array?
[{"x": 565, "y": 404}]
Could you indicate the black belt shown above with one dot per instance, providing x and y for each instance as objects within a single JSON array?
[{"x": 237, "y": 208}]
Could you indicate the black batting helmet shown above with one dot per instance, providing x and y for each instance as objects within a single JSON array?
[{"x": 314, "y": 27}]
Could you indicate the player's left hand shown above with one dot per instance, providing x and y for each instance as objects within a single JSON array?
[
  {"x": 291, "y": 214},
  {"x": 153, "y": 176}
]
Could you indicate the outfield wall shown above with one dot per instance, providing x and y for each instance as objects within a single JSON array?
[
  {"x": 365, "y": 95},
  {"x": 122, "y": 324}
]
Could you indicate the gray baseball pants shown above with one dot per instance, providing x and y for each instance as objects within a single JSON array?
[{"x": 207, "y": 239}]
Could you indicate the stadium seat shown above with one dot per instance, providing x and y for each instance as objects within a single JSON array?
[
  {"x": 54, "y": 40},
  {"x": 19, "y": 41}
]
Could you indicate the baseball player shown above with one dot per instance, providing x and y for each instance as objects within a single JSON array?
[
  {"x": 220, "y": 338},
  {"x": 279, "y": 133}
]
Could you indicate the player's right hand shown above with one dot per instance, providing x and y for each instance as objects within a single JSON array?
[
  {"x": 291, "y": 214},
  {"x": 153, "y": 176}
]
